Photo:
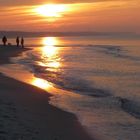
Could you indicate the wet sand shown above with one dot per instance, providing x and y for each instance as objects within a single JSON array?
[{"x": 25, "y": 113}]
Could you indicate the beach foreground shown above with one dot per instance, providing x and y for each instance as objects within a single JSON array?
[{"x": 26, "y": 114}]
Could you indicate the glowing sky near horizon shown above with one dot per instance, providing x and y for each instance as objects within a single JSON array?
[{"x": 78, "y": 15}]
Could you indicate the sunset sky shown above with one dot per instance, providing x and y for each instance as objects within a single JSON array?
[{"x": 70, "y": 15}]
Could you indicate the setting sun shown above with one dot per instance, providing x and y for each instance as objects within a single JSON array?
[{"x": 51, "y": 10}]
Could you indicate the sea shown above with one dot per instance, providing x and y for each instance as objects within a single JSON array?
[{"x": 95, "y": 78}]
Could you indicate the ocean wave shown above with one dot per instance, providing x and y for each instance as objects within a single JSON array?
[
  {"x": 129, "y": 106},
  {"x": 73, "y": 84},
  {"x": 117, "y": 51}
]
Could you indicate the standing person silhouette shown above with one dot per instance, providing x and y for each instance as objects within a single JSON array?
[
  {"x": 17, "y": 41},
  {"x": 22, "y": 42},
  {"x": 4, "y": 40}
]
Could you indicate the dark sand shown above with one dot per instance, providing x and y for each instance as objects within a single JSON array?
[
  {"x": 25, "y": 113},
  {"x": 9, "y": 51}
]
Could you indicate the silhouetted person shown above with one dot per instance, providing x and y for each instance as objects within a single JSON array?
[
  {"x": 22, "y": 42},
  {"x": 4, "y": 40},
  {"x": 17, "y": 41}
]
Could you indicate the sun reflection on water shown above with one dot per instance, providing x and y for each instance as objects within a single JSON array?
[
  {"x": 50, "y": 41},
  {"x": 49, "y": 50},
  {"x": 41, "y": 83},
  {"x": 54, "y": 64},
  {"x": 50, "y": 60},
  {"x": 50, "y": 53}
]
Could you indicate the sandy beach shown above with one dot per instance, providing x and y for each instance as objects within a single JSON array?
[{"x": 26, "y": 114}]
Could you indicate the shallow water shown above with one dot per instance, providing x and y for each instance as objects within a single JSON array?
[{"x": 96, "y": 79}]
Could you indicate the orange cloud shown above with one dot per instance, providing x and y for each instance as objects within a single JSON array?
[{"x": 103, "y": 16}]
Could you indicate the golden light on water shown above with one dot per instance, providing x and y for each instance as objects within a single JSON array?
[
  {"x": 51, "y": 10},
  {"x": 50, "y": 53},
  {"x": 54, "y": 64},
  {"x": 49, "y": 49},
  {"x": 50, "y": 41},
  {"x": 50, "y": 60},
  {"x": 41, "y": 83}
]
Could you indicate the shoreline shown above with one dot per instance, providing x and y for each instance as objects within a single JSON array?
[
  {"x": 6, "y": 52},
  {"x": 26, "y": 113}
]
